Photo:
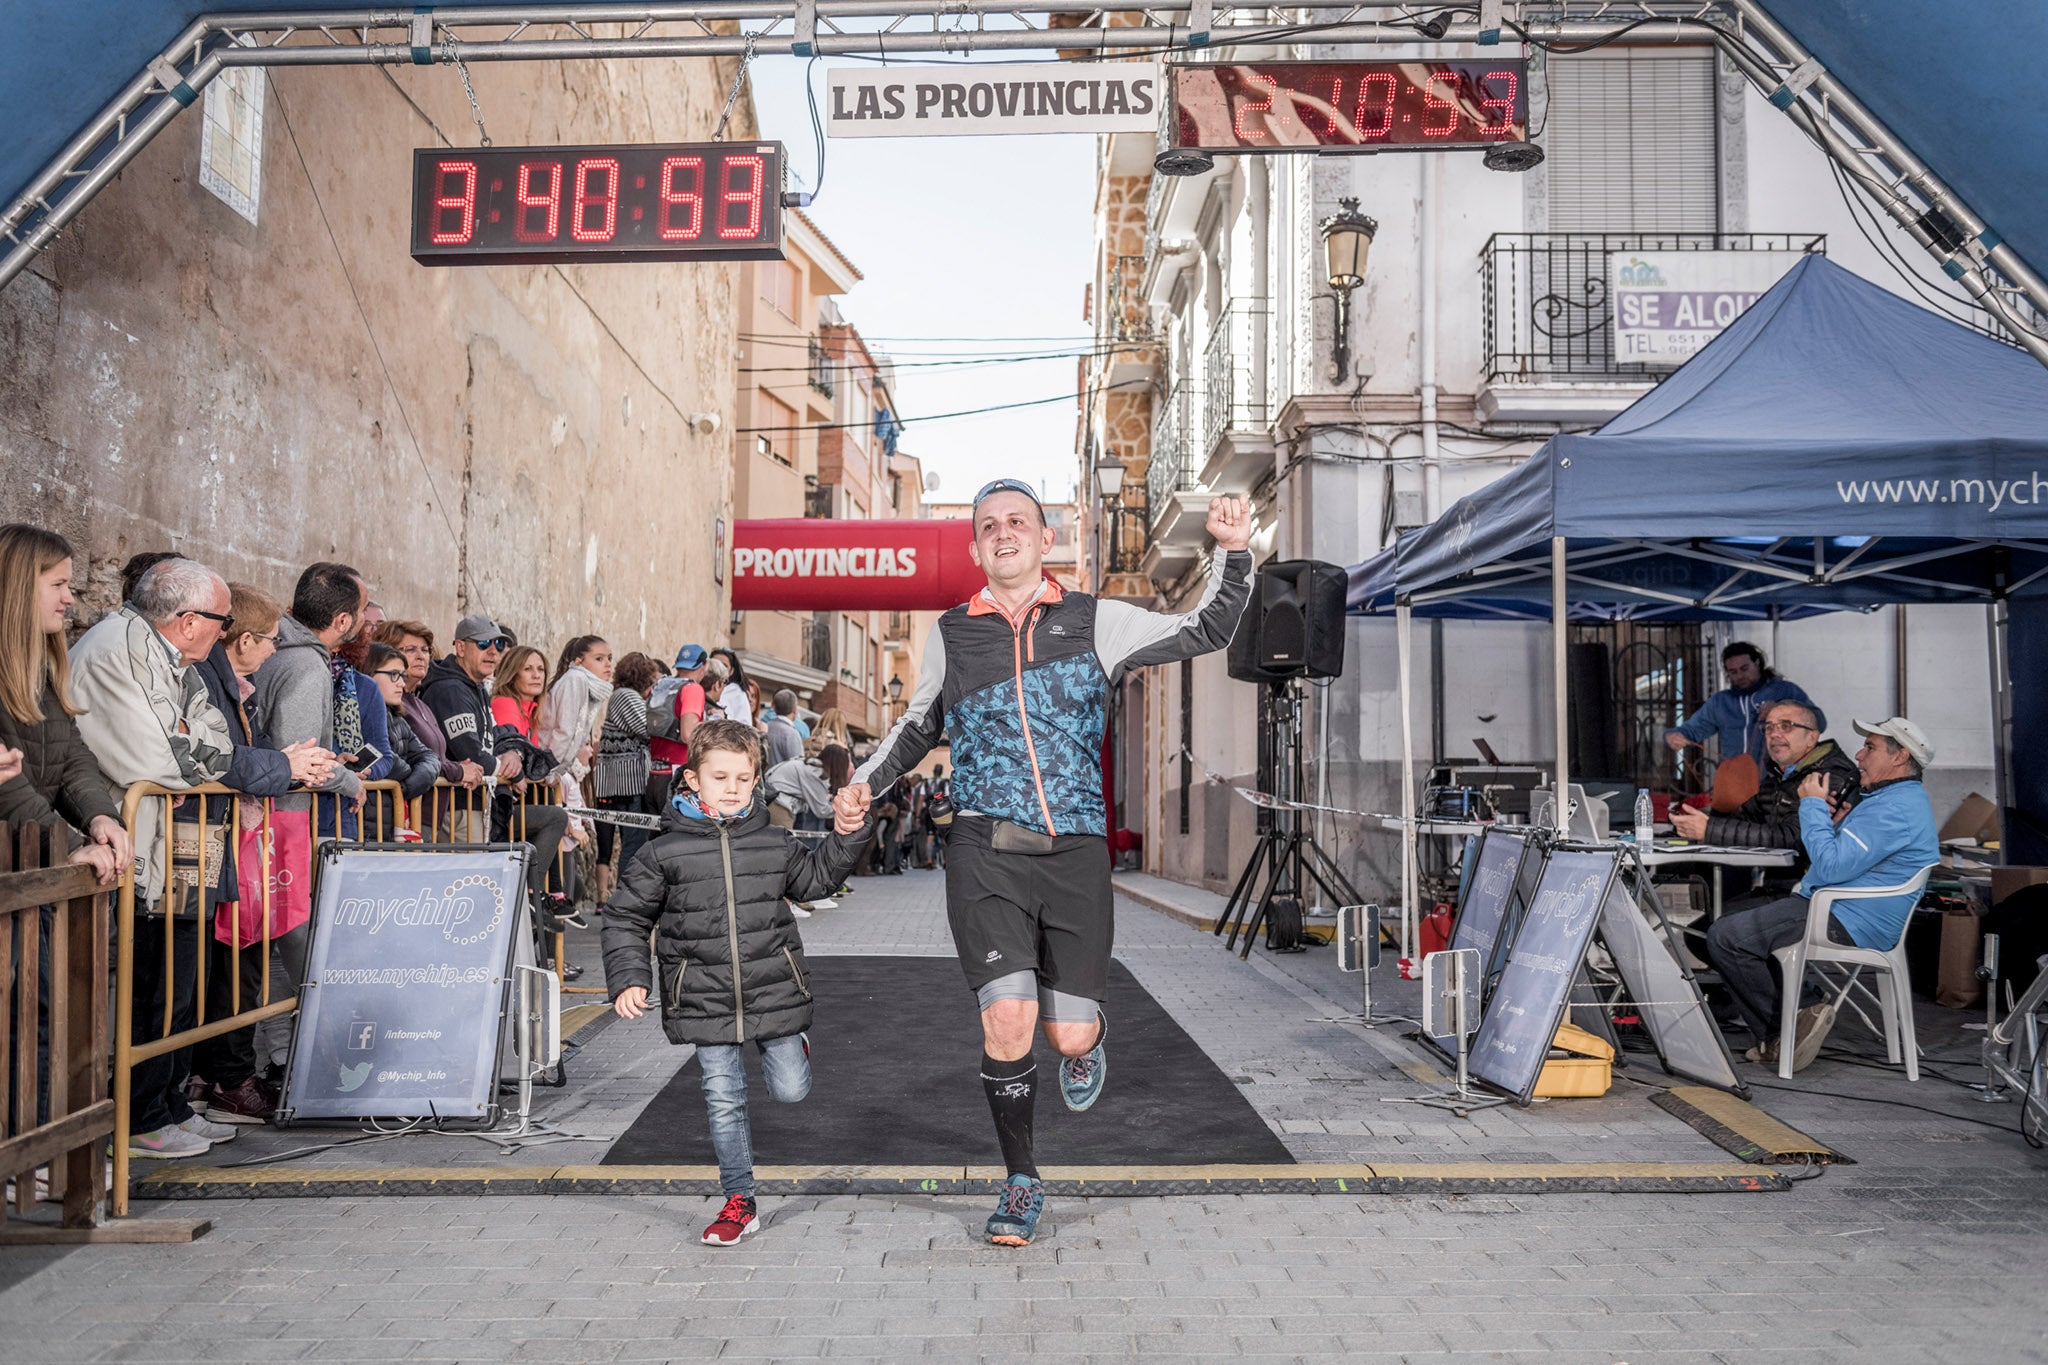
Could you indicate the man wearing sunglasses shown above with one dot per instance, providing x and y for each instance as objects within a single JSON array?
[
  {"x": 1019, "y": 679},
  {"x": 454, "y": 691}
]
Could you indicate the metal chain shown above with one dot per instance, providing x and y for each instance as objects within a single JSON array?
[
  {"x": 476, "y": 112},
  {"x": 732, "y": 96}
]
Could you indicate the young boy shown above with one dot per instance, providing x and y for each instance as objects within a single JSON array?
[{"x": 713, "y": 888}]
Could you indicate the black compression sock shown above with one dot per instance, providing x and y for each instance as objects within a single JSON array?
[{"x": 1012, "y": 1087}]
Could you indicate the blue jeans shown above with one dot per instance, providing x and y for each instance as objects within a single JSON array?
[
  {"x": 785, "y": 1066},
  {"x": 1741, "y": 946}
]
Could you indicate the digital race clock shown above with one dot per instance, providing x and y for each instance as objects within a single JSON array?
[
  {"x": 1362, "y": 106},
  {"x": 688, "y": 201}
]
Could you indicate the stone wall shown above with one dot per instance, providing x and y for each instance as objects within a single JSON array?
[{"x": 172, "y": 376}]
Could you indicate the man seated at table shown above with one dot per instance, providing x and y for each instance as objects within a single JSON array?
[
  {"x": 1883, "y": 840},
  {"x": 1770, "y": 819}
]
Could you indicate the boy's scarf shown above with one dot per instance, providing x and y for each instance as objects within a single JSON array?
[{"x": 693, "y": 809}]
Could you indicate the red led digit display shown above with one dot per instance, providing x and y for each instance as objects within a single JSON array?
[
  {"x": 529, "y": 205},
  {"x": 1365, "y": 106}
]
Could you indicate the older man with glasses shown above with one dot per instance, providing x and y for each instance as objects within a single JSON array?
[
  {"x": 1793, "y": 747},
  {"x": 1883, "y": 840},
  {"x": 148, "y": 718}
]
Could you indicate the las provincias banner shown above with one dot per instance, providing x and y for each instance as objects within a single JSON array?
[{"x": 818, "y": 564}]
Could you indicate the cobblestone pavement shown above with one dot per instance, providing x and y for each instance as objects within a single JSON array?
[{"x": 1929, "y": 1249}]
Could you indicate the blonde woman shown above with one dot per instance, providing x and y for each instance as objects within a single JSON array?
[{"x": 55, "y": 775}]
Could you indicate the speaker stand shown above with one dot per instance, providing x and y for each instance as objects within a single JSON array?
[{"x": 1287, "y": 856}]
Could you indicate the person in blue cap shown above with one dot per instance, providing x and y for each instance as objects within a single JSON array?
[{"x": 674, "y": 709}]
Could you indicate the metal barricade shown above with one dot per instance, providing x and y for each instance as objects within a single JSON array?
[
  {"x": 183, "y": 882},
  {"x": 54, "y": 1108}
]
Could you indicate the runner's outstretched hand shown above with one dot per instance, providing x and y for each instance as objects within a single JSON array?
[
  {"x": 850, "y": 802},
  {"x": 1230, "y": 522}
]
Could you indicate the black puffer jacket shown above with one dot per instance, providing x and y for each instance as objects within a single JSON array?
[
  {"x": 714, "y": 895},
  {"x": 59, "y": 775},
  {"x": 1770, "y": 819}
]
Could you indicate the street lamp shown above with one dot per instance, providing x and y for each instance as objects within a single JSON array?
[
  {"x": 1109, "y": 478},
  {"x": 1347, "y": 238},
  {"x": 895, "y": 689}
]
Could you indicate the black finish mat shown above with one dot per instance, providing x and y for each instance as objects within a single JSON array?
[{"x": 895, "y": 1049}]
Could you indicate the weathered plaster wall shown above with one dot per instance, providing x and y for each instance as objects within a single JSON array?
[{"x": 173, "y": 376}]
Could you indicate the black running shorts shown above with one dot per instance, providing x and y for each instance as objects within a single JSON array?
[{"x": 1020, "y": 912}]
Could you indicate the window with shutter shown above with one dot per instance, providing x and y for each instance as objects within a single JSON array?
[{"x": 1631, "y": 141}]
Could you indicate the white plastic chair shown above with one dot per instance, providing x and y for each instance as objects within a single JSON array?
[{"x": 1894, "y": 985}]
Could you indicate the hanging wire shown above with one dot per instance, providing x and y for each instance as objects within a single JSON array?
[
  {"x": 476, "y": 112},
  {"x": 732, "y": 96}
]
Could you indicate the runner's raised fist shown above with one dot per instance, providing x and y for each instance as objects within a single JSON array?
[
  {"x": 1230, "y": 522},
  {"x": 850, "y": 802}
]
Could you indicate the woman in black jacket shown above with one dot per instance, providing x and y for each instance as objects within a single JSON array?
[
  {"x": 713, "y": 887},
  {"x": 58, "y": 777}
]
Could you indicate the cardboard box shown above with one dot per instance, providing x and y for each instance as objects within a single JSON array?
[
  {"x": 1976, "y": 818},
  {"x": 2006, "y": 880}
]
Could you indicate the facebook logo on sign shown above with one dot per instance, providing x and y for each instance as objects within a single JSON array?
[{"x": 361, "y": 1037}]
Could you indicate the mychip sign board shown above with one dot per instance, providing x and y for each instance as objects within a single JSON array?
[
  {"x": 1535, "y": 986},
  {"x": 1668, "y": 304},
  {"x": 406, "y": 977}
]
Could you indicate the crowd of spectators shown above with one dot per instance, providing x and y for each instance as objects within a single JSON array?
[{"x": 353, "y": 723}]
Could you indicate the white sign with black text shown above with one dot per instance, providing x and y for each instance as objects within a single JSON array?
[
  {"x": 971, "y": 100},
  {"x": 1669, "y": 304}
]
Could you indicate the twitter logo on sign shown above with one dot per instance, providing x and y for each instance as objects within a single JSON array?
[{"x": 352, "y": 1077}]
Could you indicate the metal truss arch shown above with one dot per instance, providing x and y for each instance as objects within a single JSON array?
[{"x": 1878, "y": 164}]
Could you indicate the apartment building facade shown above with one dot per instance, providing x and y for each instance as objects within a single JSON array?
[
  {"x": 1482, "y": 327},
  {"x": 818, "y": 438}
]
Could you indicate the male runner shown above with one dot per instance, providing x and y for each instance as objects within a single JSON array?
[{"x": 1019, "y": 678}]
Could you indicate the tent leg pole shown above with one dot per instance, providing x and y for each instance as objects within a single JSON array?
[
  {"x": 1558, "y": 656},
  {"x": 1404, "y": 636},
  {"x": 1996, "y": 618}
]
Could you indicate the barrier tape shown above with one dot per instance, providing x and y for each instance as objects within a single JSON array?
[{"x": 1272, "y": 802}]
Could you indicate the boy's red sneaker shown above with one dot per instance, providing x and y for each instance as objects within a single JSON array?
[{"x": 734, "y": 1221}]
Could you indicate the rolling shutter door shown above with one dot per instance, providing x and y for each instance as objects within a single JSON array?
[{"x": 1631, "y": 141}]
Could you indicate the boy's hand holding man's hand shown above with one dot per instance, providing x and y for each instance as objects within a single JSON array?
[
  {"x": 847, "y": 822},
  {"x": 632, "y": 1002},
  {"x": 850, "y": 802}
]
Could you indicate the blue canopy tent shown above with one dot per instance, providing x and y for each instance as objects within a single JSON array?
[{"x": 1837, "y": 447}]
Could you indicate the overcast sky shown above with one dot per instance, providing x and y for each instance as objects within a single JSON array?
[{"x": 981, "y": 238}]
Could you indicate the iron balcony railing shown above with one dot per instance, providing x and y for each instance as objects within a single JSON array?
[
  {"x": 1546, "y": 304},
  {"x": 1126, "y": 531},
  {"x": 818, "y": 642},
  {"x": 820, "y": 367},
  {"x": 1127, "y": 317},
  {"x": 1234, "y": 372},
  {"x": 1171, "y": 468}
]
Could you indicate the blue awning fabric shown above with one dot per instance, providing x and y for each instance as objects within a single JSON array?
[{"x": 1836, "y": 447}]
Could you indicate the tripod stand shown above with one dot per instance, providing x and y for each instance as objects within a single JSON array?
[{"x": 1287, "y": 855}]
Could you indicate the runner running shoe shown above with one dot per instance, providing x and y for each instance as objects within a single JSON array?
[
  {"x": 1081, "y": 1077},
  {"x": 738, "y": 1218},
  {"x": 1016, "y": 1218}
]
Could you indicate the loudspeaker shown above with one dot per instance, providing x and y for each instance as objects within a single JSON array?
[{"x": 1293, "y": 626}]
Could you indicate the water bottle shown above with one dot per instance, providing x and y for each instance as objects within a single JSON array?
[{"x": 1646, "y": 817}]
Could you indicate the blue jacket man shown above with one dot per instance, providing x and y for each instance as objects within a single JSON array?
[
  {"x": 1884, "y": 841},
  {"x": 1735, "y": 715}
]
